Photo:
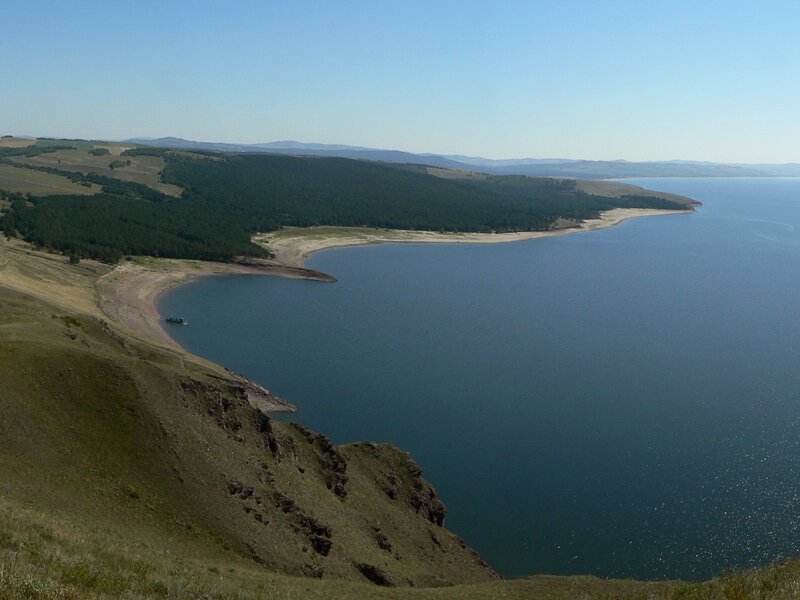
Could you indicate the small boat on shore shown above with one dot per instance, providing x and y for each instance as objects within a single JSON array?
[{"x": 177, "y": 320}]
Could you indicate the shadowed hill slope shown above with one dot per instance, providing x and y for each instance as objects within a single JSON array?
[
  {"x": 125, "y": 474},
  {"x": 120, "y": 436}
]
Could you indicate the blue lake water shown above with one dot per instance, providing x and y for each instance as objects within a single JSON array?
[{"x": 624, "y": 402}]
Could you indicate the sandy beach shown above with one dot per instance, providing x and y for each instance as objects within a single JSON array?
[
  {"x": 125, "y": 296},
  {"x": 128, "y": 294},
  {"x": 293, "y": 245}
]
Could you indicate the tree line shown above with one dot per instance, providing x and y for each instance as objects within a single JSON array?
[{"x": 227, "y": 198}]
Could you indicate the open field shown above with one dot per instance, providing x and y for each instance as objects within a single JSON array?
[
  {"x": 83, "y": 145},
  {"x": 20, "y": 179},
  {"x": 455, "y": 173},
  {"x": 50, "y": 277},
  {"x": 143, "y": 169},
  {"x": 114, "y": 148}
]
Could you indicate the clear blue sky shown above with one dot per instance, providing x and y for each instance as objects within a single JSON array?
[{"x": 639, "y": 80}]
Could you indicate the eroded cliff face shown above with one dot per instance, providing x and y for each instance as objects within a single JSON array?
[
  {"x": 359, "y": 510},
  {"x": 118, "y": 433}
]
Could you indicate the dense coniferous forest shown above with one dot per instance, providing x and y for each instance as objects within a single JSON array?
[
  {"x": 228, "y": 198},
  {"x": 35, "y": 150},
  {"x": 108, "y": 226}
]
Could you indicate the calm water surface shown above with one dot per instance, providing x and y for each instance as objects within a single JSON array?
[{"x": 624, "y": 402}]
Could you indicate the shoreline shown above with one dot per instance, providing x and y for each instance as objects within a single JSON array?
[
  {"x": 294, "y": 245},
  {"x": 128, "y": 296},
  {"x": 116, "y": 295},
  {"x": 129, "y": 293}
]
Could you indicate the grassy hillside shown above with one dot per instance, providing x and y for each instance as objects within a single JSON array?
[
  {"x": 20, "y": 179},
  {"x": 116, "y": 436},
  {"x": 140, "y": 169},
  {"x": 131, "y": 472}
]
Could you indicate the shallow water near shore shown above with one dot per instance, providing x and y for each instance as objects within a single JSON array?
[{"x": 623, "y": 402}]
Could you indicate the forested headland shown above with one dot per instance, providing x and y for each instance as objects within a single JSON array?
[{"x": 228, "y": 198}]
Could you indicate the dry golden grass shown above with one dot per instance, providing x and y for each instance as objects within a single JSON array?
[
  {"x": 13, "y": 142},
  {"x": 455, "y": 173},
  {"x": 143, "y": 169},
  {"x": 50, "y": 277},
  {"x": 114, "y": 148},
  {"x": 613, "y": 189},
  {"x": 20, "y": 179}
]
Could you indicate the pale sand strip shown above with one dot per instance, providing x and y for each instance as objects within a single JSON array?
[
  {"x": 128, "y": 294},
  {"x": 293, "y": 245}
]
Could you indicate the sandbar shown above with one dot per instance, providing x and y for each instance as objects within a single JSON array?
[{"x": 293, "y": 245}]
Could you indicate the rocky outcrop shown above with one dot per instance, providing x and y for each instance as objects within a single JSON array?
[
  {"x": 375, "y": 575},
  {"x": 260, "y": 397},
  {"x": 405, "y": 483},
  {"x": 333, "y": 464}
]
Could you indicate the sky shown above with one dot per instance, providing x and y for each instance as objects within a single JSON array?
[{"x": 635, "y": 80}]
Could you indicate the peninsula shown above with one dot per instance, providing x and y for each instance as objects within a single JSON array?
[{"x": 177, "y": 214}]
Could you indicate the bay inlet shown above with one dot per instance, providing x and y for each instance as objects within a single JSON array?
[{"x": 623, "y": 402}]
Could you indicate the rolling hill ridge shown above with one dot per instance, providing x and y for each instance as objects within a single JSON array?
[{"x": 531, "y": 167}]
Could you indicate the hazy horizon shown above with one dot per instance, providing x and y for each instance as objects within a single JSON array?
[
  {"x": 576, "y": 80},
  {"x": 455, "y": 156}
]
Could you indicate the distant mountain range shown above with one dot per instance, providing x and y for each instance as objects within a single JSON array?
[{"x": 534, "y": 167}]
